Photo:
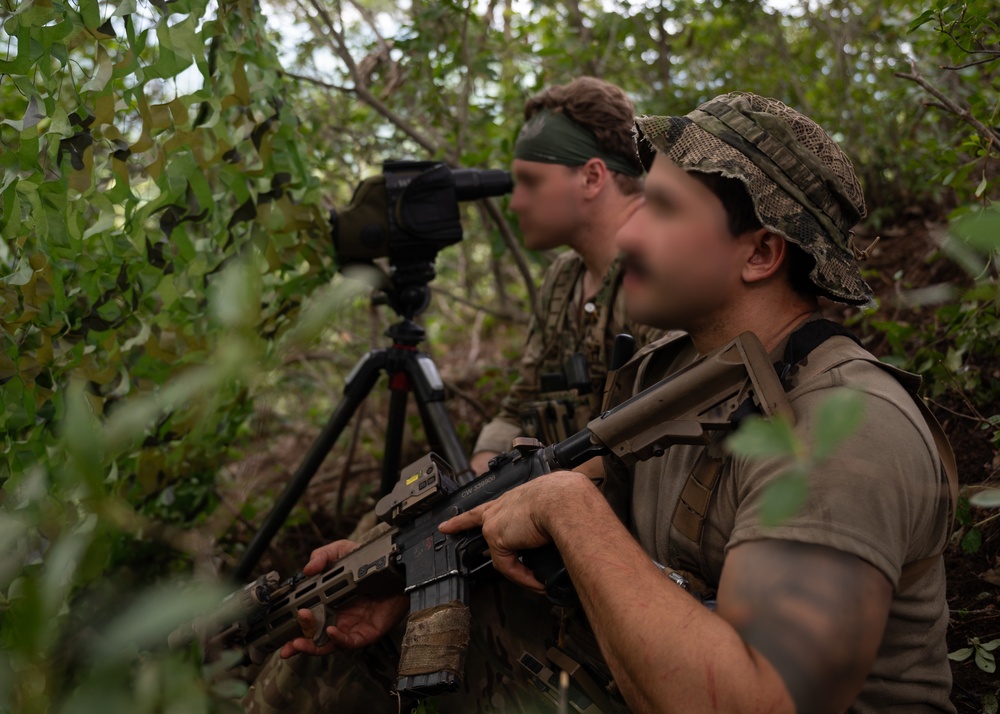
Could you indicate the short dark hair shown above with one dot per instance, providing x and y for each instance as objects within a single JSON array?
[
  {"x": 605, "y": 110},
  {"x": 741, "y": 217}
]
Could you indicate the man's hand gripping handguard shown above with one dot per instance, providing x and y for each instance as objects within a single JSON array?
[{"x": 434, "y": 569}]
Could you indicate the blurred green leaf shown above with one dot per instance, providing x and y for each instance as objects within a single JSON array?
[
  {"x": 972, "y": 541},
  {"x": 236, "y": 296},
  {"x": 783, "y": 498},
  {"x": 82, "y": 436},
  {"x": 838, "y": 416},
  {"x": 980, "y": 230},
  {"x": 760, "y": 438},
  {"x": 153, "y": 616}
]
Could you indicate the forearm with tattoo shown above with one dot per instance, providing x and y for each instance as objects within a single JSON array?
[{"x": 797, "y": 626}]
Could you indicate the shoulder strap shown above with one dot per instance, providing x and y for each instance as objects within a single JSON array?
[
  {"x": 692, "y": 507},
  {"x": 557, "y": 292},
  {"x": 913, "y": 571},
  {"x": 604, "y": 300},
  {"x": 807, "y": 338}
]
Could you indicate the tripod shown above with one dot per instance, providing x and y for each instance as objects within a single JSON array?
[{"x": 408, "y": 370}]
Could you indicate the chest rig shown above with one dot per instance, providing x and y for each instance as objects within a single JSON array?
[{"x": 574, "y": 362}]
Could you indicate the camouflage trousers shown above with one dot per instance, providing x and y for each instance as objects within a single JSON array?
[{"x": 506, "y": 622}]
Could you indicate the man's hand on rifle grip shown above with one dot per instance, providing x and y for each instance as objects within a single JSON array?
[{"x": 518, "y": 520}]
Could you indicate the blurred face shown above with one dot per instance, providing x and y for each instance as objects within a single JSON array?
[
  {"x": 682, "y": 265},
  {"x": 547, "y": 201}
]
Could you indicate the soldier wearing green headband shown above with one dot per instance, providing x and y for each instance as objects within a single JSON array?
[
  {"x": 747, "y": 221},
  {"x": 576, "y": 182}
]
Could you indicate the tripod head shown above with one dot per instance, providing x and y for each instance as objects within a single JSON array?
[{"x": 408, "y": 214}]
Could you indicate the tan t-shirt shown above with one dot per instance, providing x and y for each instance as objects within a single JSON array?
[{"x": 881, "y": 496}]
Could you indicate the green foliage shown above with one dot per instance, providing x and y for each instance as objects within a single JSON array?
[
  {"x": 151, "y": 148},
  {"x": 971, "y": 536},
  {"x": 97, "y": 641},
  {"x": 159, "y": 231},
  {"x": 990, "y": 703},
  {"x": 970, "y": 531},
  {"x": 426, "y": 706},
  {"x": 983, "y": 652},
  {"x": 838, "y": 416},
  {"x": 964, "y": 330},
  {"x": 163, "y": 180}
]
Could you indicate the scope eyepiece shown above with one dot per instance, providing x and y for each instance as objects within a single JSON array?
[{"x": 473, "y": 184}]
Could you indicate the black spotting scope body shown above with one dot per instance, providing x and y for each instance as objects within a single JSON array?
[{"x": 410, "y": 212}]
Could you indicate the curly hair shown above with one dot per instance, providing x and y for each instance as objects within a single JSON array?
[{"x": 602, "y": 108}]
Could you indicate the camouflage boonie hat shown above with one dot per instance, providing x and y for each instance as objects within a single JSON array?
[{"x": 802, "y": 185}]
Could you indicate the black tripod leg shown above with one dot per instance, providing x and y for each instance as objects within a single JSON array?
[
  {"x": 441, "y": 431},
  {"x": 399, "y": 387},
  {"x": 429, "y": 389},
  {"x": 359, "y": 384}
]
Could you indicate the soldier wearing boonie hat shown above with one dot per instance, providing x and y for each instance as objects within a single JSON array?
[
  {"x": 802, "y": 184},
  {"x": 844, "y": 600}
]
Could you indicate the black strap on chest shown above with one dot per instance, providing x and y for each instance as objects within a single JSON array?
[{"x": 804, "y": 340}]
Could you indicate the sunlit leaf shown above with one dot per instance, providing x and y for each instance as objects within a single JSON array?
[
  {"x": 990, "y": 498},
  {"x": 921, "y": 19},
  {"x": 960, "y": 655}
]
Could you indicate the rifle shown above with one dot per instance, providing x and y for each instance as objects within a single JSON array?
[{"x": 434, "y": 569}]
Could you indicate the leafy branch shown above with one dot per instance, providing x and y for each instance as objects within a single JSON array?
[{"x": 950, "y": 105}]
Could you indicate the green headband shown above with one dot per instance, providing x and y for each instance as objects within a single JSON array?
[{"x": 553, "y": 138}]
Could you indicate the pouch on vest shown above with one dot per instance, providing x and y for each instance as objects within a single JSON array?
[{"x": 565, "y": 405}]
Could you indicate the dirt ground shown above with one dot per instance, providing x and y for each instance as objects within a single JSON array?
[{"x": 905, "y": 250}]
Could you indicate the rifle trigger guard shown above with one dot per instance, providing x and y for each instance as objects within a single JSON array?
[{"x": 319, "y": 614}]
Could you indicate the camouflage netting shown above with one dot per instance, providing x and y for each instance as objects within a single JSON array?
[{"x": 802, "y": 184}]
